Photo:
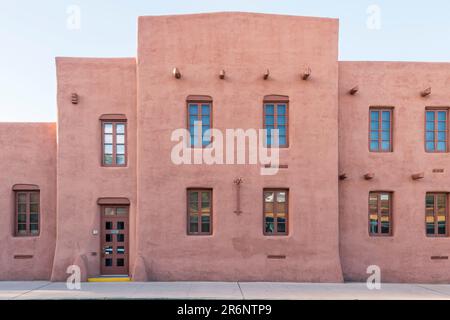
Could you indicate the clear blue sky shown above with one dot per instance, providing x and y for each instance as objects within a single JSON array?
[{"x": 33, "y": 32}]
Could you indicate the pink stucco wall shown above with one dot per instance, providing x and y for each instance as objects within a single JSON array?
[
  {"x": 244, "y": 45},
  {"x": 406, "y": 256},
  {"x": 104, "y": 86},
  {"x": 328, "y": 135},
  {"x": 28, "y": 156}
]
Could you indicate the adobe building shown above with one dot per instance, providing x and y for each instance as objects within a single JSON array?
[{"x": 362, "y": 177}]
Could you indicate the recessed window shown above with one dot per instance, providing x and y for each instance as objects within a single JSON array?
[
  {"x": 436, "y": 130},
  {"x": 380, "y": 133},
  {"x": 27, "y": 213},
  {"x": 380, "y": 213},
  {"x": 114, "y": 153},
  {"x": 436, "y": 214},
  {"x": 276, "y": 211},
  {"x": 199, "y": 211},
  {"x": 199, "y": 120},
  {"x": 276, "y": 111}
]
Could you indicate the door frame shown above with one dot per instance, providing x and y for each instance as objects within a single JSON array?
[{"x": 126, "y": 243}]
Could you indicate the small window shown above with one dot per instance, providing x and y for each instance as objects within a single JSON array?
[
  {"x": 27, "y": 213},
  {"x": 436, "y": 214},
  {"x": 276, "y": 112},
  {"x": 380, "y": 132},
  {"x": 199, "y": 120},
  {"x": 114, "y": 143},
  {"x": 199, "y": 211},
  {"x": 436, "y": 130},
  {"x": 380, "y": 213},
  {"x": 276, "y": 211}
]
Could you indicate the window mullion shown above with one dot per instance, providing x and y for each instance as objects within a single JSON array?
[
  {"x": 199, "y": 212},
  {"x": 28, "y": 204},
  {"x": 114, "y": 124},
  {"x": 379, "y": 213}
]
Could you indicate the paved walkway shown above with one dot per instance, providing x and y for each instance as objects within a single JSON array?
[{"x": 218, "y": 290}]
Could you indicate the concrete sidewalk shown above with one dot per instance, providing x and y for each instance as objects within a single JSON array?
[{"x": 219, "y": 290}]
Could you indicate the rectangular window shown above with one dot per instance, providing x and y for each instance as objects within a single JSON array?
[
  {"x": 276, "y": 117},
  {"x": 199, "y": 123},
  {"x": 380, "y": 213},
  {"x": 276, "y": 211},
  {"x": 27, "y": 213},
  {"x": 114, "y": 153},
  {"x": 199, "y": 211},
  {"x": 436, "y": 130},
  {"x": 380, "y": 133},
  {"x": 436, "y": 212}
]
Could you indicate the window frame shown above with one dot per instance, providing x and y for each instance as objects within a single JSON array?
[
  {"x": 436, "y": 232},
  {"x": 199, "y": 100},
  {"x": 276, "y": 100},
  {"x": 435, "y": 131},
  {"x": 391, "y": 222},
  {"x": 380, "y": 129},
  {"x": 27, "y": 213},
  {"x": 114, "y": 122},
  {"x": 198, "y": 213},
  {"x": 276, "y": 233}
]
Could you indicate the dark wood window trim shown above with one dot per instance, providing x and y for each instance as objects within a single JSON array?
[
  {"x": 110, "y": 136},
  {"x": 376, "y": 134},
  {"x": 376, "y": 211},
  {"x": 109, "y": 201},
  {"x": 197, "y": 209},
  {"x": 199, "y": 102},
  {"x": 432, "y": 211},
  {"x": 27, "y": 222},
  {"x": 113, "y": 117},
  {"x": 25, "y": 187},
  {"x": 273, "y": 211},
  {"x": 433, "y": 130},
  {"x": 276, "y": 101}
]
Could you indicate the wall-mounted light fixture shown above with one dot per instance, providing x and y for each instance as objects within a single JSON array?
[
  {"x": 266, "y": 74},
  {"x": 222, "y": 74},
  {"x": 74, "y": 98}
]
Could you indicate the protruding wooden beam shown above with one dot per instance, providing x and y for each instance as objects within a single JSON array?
[
  {"x": 343, "y": 176},
  {"x": 222, "y": 74},
  {"x": 306, "y": 73},
  {"x": 418, "y": 176},
  {"x": 176, "y": 73},
  {"x": 354, "y": 90},
  {"x": 426, "y": 92},
  {"x": 74, "y": 98},
  {"x": 266, "y": 74},
  {"x": 369, "y": 176}
]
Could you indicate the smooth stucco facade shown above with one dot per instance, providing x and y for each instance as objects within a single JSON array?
[{"x": 328, "y": 238}]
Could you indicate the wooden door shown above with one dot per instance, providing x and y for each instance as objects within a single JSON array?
[{"x": 114, "y": 240}]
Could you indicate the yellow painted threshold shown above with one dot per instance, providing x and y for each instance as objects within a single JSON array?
[{"x": 109, "y": 279}]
